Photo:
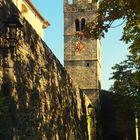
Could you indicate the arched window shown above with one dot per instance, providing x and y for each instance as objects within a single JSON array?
[
  {"x": 70, "y": 1},
  {"x": 77, "y": 26},
  {"x": 83, "y": 22}
]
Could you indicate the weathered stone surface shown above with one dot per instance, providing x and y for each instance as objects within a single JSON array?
[
  {"x": 82, "y": 55},
  {"x": 37, "y": 98},
  {"x": 84, "y": 66}
]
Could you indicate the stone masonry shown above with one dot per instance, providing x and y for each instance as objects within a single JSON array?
[
  {"x": 37, "y": 98},
  {"x": 84, "y": 65}
]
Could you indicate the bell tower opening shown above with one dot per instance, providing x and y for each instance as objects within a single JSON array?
[
  {"x": 83, "y": 23},
  {"x": 77, "y": 25}
]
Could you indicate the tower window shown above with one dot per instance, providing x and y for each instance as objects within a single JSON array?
[
  {"x": 77, "y": 26},
  {"x": 70, "y": 1},
  {"x": 83, "y": 21}
]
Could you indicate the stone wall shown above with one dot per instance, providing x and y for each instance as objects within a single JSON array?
[
  {"x": 83, "y": 65},
  {"x": 37, "y": 98}
]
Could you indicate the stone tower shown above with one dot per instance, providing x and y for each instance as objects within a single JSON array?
[{"x": 83, "y": 64}]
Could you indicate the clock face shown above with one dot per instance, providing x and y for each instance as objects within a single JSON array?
[{"x": 79, "y": 45}]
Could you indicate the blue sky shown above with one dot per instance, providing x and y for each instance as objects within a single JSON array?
[{"x": 113, "y": 50}]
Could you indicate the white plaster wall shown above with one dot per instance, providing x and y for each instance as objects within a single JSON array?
[{"x": 31, "y": 17}]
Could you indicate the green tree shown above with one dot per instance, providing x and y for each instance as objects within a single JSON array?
[
  {"x": 112, "y": 10},
  {"x": 126, "y": 78},
  {"x": 127, "y": 73}
]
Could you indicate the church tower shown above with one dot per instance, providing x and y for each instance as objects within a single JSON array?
[{"x": 82, "y": 55}]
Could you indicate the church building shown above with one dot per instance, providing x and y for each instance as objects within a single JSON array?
[{"x": 82, "y": 56}]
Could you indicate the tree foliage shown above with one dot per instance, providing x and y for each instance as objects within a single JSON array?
[
  {"x": 126, "y": 75},
  {"x": 112, "y": 10}
]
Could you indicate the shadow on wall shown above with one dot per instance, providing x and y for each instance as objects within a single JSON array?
[
  {"x": 37, "y": 98},
  {"x": 117, "y": 117}
]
